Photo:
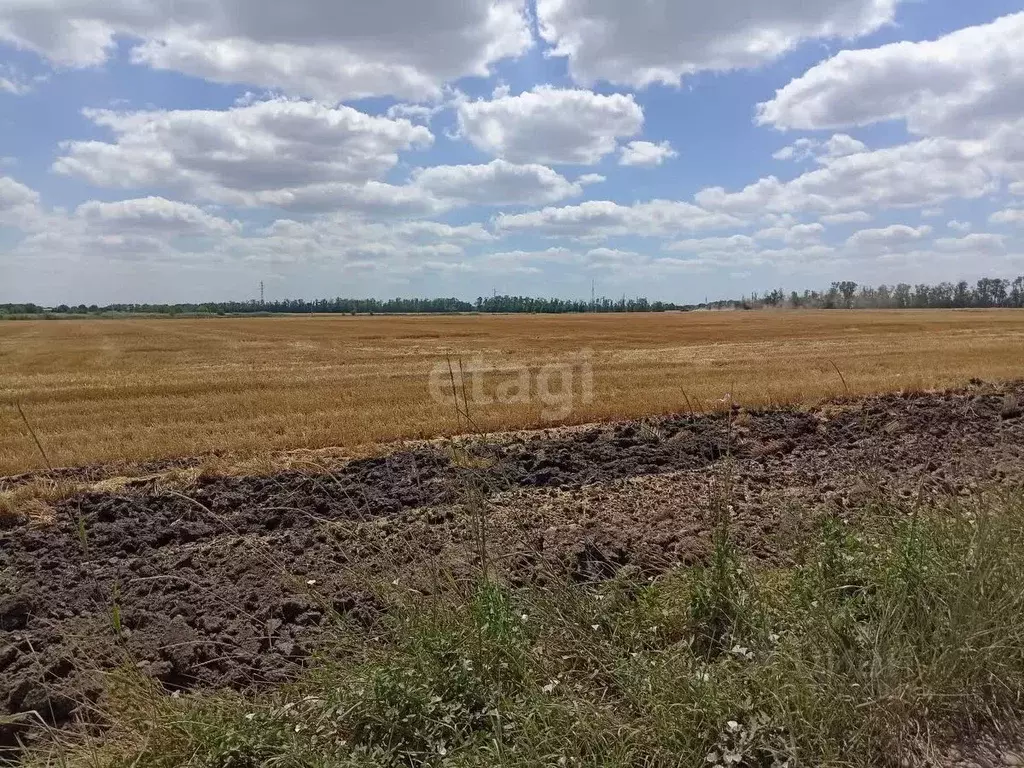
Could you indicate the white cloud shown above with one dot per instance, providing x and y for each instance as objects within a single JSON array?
[
  {"x": 646, "y": 154},
  {"x": 163, "y": 232},
  {"x": 72, "y": 245},
  {"x": 349, "y": 239},
  {"x": 894, "y": 237},
  {"x": 416, "y": 113},
  {"x": 840, "y": 145},
  {"x": 963, "y": 91},
  {"x": 12, "y": 81},
  {"x": 18, "y": 203},
  {"x": 526, "y": 261},
  {"x": 155, "y": 216},
  {"x": 960, "y": 85},
  {"x": 415, "y": 230},
  {"x": 14, "y": 194},
  {"x": 958, "y": 226},
  {"x": 550, "y": 125},
  {"x": 796, "y": 234},
  {"x": 603, "y": 218},
  {"x": 743, "y": 255},
  {"x": 801, "y": 149},
  {"x": 374, "y": 198},
  {"x": 853, "y": 217},
  {"x": 662, "y": 40},
  {"x": 696, "y": 245},
  {"x": 922, "y": 173},
  {"x": 535, "y": 262},
  {"x": 613, "y": 258},
  {"x": 260, "y": 153},
  {"x": 977, "y": 243},
  {"x": 1008, "y": 216},
  {"x": 309, "y": 47},
  {"x": 1017, "y": 188},
  {"x": 496, "y": 183}
]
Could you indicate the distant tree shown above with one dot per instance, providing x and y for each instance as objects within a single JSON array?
[{"x": 847, "y": 289}]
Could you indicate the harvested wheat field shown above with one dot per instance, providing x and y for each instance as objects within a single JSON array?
[
  {"x": 773, "y": 539},
  {"x": 140, "y": 389}
]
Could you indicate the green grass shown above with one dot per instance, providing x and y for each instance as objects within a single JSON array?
[{"x": 877, "y": 640}]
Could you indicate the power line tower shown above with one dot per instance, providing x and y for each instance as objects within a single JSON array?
[
  {"x": 593, "y": 296},
  {"x": 262, "y": 302}
]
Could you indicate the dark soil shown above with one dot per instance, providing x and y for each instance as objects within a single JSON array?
[{"x": 232, "y": 583}]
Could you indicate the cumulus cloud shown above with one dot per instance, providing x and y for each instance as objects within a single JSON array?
[
  {"x": 414, "y": 112},
  {"x": 496, "y": 183},
  {"x": 154, "y": 216},
  {"x": 231, "y": 155},
  {"x": 603, "y": 218},
  {"x": 958, "y": 226},
  {"x": 840, "y": 145},
  {"x": 921, "y": 173},
  {"x": 894, "y": 237},
  {"x": 612, "y": 258},
  {"x": 160, "y": 231},
  {"x": 18, "y": 203},
  {"x": 374, "y": 198},
  {"x": 963, "y": 92},
  {"x": 853, "y": 217},
  {"x": 297, "y": 155},
  {"x": 348, "y": 239},
  {"x": 697, "y": 245},
  {"x": 524, "y": 262},
  {"x": 646, "y": 154},
  {"x": 660, "y": 41},
  {"x": 528, "y": 262},
  {"x": 550, "y": 125},
  {"x": 976, "y": 243},
  {"x": 436, "y": 230},
  {"x": 314, "y": 48},
  {"x": 726, "y": 253},
  {"x": 14, "y": 194},
  {"x": 12, "y": 81},
  {"x": 801, "y": 149},
  {"x": 1008, "y": 216},
  {"x": 796, "y": 234},
  {"x": 960, "y": 85}
]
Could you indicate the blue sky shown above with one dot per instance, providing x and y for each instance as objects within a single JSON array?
[{"x": 153, "y": 150}]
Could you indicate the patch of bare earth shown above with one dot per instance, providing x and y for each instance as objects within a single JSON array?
[{"x": 231, "y": 581}]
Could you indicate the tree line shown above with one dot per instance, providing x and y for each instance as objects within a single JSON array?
[
  {"x": 490, "y": 304},
  {"x": 987, "y": 292}
]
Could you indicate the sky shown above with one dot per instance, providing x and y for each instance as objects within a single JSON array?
[{"x": 186, "y": 150}]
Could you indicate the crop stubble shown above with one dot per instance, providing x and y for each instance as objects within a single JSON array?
[{"x": 140, "y": 389}]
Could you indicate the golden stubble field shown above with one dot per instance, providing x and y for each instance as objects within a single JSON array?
[{"x": 135, "y": 389}]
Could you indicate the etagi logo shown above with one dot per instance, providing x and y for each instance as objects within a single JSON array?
[{"x": 558, "y": 386}]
